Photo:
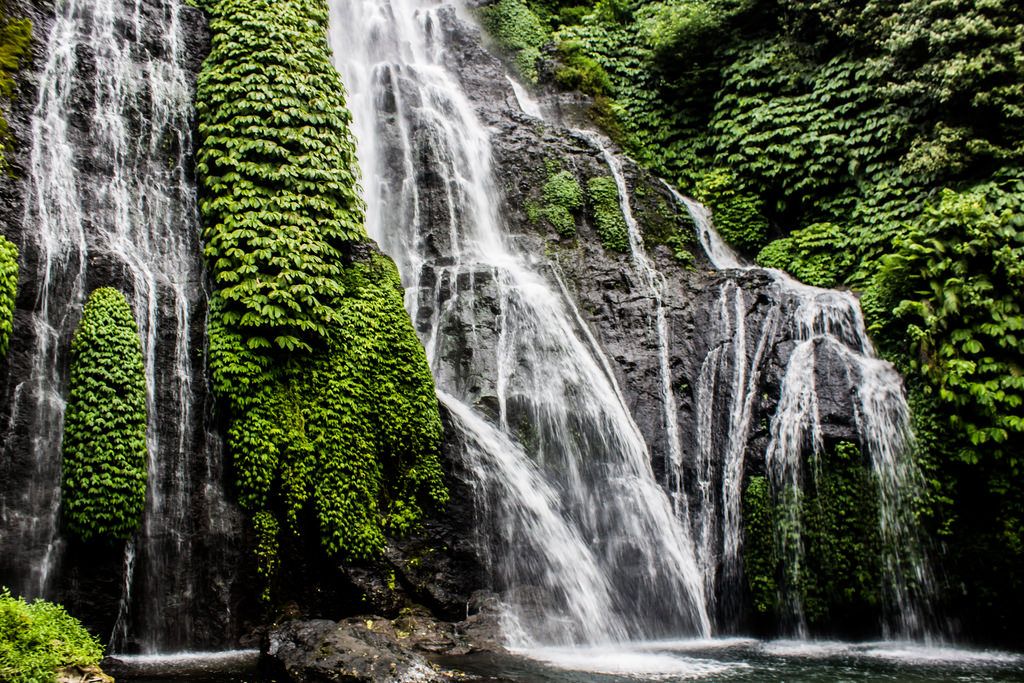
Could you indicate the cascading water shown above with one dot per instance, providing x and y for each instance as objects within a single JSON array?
[
  {"x": 581, "y": 537},
  {"x": 110, "y": 201},
  {"x": 822, "y": 324}
]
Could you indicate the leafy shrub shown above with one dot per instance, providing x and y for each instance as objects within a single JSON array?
[
  {"x": 818, "y": 255},
  {"x": 104, "y": 446},
  {"x": 956, "y": 282},
  {"x": 8, "y": 291},
  {"x": 608, "y": 220},
  {"x": 580, "y": 71},
  {"x": 737, "y": 214},
  {"x": 517, "y": 29},
  {"x": 15, "y": 39},
  {"x": 39, "y": 639}
]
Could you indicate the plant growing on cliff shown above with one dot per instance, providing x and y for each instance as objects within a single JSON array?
[
  {"x": 333, "y": 412},
  {"x": 517, "y": 29},
  {"x": 37, "y": 640},
  {"x": 104, "y": 446},
  {"x": 8, "y": 291},
  {"x": 561, "y": 197},
  {"x": 608, "y": 220},
  {"x": 15, "y": 38}
]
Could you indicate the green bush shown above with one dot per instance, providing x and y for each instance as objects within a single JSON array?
[
  {"x": 517, "y": 29},
  {"x": 352, "y": 430},
  {"x": 104, "y": 446},
  {"x": 8, "y": 291},
  {"x": 15, "y": 39},
  {"x": 608, "y": 220},
  {"x": 334, "y": 419},
  {"x": 39, "y": 639}
]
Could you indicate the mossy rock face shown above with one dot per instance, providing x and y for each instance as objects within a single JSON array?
[
  {"x": 335, "y": 429},
  {"x": 607, "y": 213},
  {"x": 104, "y": 446}
]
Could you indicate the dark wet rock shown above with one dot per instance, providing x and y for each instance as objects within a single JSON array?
[{"x": 358, "y": 650}]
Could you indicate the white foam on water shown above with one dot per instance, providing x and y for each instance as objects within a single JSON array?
[{"x": 632, "y": 663}]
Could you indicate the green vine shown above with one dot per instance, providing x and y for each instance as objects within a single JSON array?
[
  {"x": 278, "y": 164},
  {"x": 8, "y": 291},
  {"x": 104, "y": 446},
  {"x": 517, "y": 29},
  {"x": 334, "y": 420}
]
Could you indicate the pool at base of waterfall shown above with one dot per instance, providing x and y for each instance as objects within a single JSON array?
[
  {"x": 736, "y": 659},
  {"x": 745, "y": 660}
]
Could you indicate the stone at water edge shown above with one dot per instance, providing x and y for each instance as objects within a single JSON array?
[
  {"x": 79, "y": 674},
  {"x": 358, "y": 650}
]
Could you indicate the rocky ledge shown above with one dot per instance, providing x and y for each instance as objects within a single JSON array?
[{"x": 374, "y": 649}]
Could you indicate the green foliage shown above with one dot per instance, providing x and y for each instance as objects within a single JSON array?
[
  {"x": 608, "y": 220},
  {"x": 104, "y": 446},
  {"x": 278, "y": 166},
  {"x": 335, "y": 428},
  {"x": 580, "y": 71},
  {"x": 562, "y": 199},
  {"x": 351, "y": 431},
  {"x": 39, "y": 639},
  {"x": 8, "y": 291},
  {"x": 517, "y": 29},
  {"x": 958, "y": 276},
  {"x": 759, "y": 556},
  {"x": 267, "y": 546},
  {"x": 842, "y": 572},
  {"x": 818, "y": 255},
  {"x": 15, "y": 39},
  {"x": 737, "y": 214}
]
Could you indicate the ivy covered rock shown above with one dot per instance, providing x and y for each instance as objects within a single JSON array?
[
  {"x": 278, "y": 164},
  {"x": 335, "y": 429},
  {"x": 8, "y": 291},
  {"x": 104, "y": 446}
]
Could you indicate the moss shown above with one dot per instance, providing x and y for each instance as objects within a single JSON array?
[
  {"x": 842, "y": 572},
  {"x": 608, "y": 220},
  {"x": 562, "y": 198},
  {"x": 39, "y": 639},
  {"x": 15, "y": 39},
  {"x": 8, "y": 291},
  {"x": 520, "y": 31},
  {"x": 104, "y": 447}
]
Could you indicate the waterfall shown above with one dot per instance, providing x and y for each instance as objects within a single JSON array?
[
  {"x": 822, "y": 325},
  {"x": 576, "y": 530},
  {"x": 110, "y": 201}
]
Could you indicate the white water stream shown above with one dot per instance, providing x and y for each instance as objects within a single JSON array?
[
  {"x": 577, "y": 530},
  {"x": 110, "y": 201}
]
